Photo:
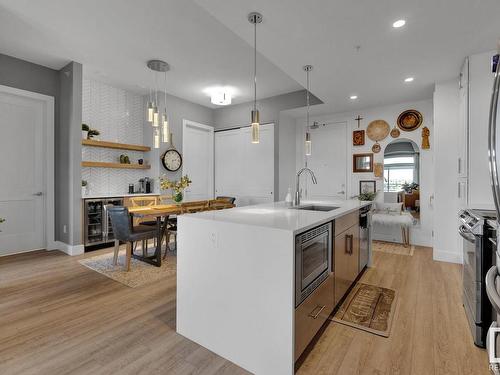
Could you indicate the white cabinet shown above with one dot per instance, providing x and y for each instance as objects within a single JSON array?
[
  {"x": 463, "y": 121},
  {"x": 243, "y": 169},
  {"x": 476, "y": 82}
]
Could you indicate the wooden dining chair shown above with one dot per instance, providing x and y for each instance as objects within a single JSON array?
[{"x": 192, "y": 207}]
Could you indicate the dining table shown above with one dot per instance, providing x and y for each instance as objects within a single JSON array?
[{"x": 161, "y": 213}]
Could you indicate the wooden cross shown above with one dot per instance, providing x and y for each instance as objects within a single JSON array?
[{"x": 358, "y": 119}]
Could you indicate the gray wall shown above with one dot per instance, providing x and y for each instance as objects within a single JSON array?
[
  {"x": 68, "y": 151},
  {"x": 269, "y": 108},
  {"x": 24, "y": 75},
  {"x": 178, "y": 109}
]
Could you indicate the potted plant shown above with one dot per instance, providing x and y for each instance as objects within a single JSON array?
[
  {"x": 93, "y": 133},
  {"x": 84, "y": 188},
  {"x": 85, "y": 131},
  {"x": 177, "y": 187},
  {"x": 367, "y": 196}
]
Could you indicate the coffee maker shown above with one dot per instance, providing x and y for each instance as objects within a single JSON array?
[{"x": 145, "y": 185}]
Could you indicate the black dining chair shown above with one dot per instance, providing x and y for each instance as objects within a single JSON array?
[{"x": 124, "y": 231}]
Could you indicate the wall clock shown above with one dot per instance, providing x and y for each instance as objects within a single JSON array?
[{"x": 171, "y": 160}]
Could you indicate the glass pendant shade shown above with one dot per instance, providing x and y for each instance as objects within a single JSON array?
[
  {"x": 165, "y": 129},
  {"x": 156, "y": 118},
  {"x": 255, "y": 127},
  {"x": 156, "y": 138},
  {"x": 308, "y": 145},
  {"x": 150, "y": 111}
]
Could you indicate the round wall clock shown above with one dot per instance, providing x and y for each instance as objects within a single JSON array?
[{"x": 171, "y": 160}]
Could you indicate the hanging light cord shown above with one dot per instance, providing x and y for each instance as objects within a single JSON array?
[
  {"x": 255, "y": 64},
  {"x": 307, "y": 101}
]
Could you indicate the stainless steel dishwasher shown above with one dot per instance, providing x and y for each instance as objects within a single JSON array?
[{"x": 365, "y": 240}]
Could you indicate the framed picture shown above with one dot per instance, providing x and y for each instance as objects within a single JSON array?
[
  {"x": 358, "y": 137},
  {"x": 362, "y": 163},
  {"x": 369, "y": 186}
]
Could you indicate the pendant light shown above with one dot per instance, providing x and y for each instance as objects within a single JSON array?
[
  {"x": 308, "y": 145},
  {"x": 165, "y": 128},
  {"x": 153, "y": 110},
  {"x": 255, "y": 18}
]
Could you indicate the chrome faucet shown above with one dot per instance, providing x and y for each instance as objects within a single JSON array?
[{"x": 296, "y": 201}]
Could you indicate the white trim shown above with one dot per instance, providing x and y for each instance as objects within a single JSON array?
[
  {"x": 49, "y": 156},
  {"x": 210, "y": 129},
  {"x": 69, "y": 249},
  {"x": 447, "y": 256}
]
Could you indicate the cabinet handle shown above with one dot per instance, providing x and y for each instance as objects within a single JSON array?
[
  {"x": 459, "y": 165},
  {"x": 348, "y": 243},
  {"x": 459, "y": 195},
  {"x": 315, "y": 316},
  {"x": 351, "y": 239}
]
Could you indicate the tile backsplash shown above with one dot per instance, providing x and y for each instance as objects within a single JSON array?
[{"x": 118, "y": 115}]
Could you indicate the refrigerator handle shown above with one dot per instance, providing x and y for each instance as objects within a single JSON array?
[{"x": 492, "y": 146}]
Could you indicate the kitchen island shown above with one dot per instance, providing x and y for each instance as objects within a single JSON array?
[{"x": 236, "y": 280}]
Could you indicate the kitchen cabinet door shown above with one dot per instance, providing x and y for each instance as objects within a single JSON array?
[
  {"x": 463, "y": 121},
  {"x": 346, "y": 260}
]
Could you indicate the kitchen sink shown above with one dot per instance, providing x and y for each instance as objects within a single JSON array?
[{"x": 314, "y": 207}]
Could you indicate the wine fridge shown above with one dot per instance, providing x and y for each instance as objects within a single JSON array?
[{"x": 97, "y": 223}]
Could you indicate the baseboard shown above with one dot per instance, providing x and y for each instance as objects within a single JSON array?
[
  {"x": 69, "y": 249},
  {"x": 447, "y": 256}
]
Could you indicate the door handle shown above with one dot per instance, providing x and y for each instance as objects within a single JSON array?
[
  {"x": 38, "y": 194},
  {"x": 341, "y": 192}
]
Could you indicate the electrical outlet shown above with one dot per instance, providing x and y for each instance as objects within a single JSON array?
[
  {"x": 213, "y": 239},
  {"x": 65, "y": 229}
]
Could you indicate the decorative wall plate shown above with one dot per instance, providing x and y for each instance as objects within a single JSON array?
[
  {"x": 378, "y": 130},
  {"x": 395, "y": 133},
  {"x": 358, "y": 137},
  {"x": 376, "y": 148},
  {"x": 410, "y": 120}
]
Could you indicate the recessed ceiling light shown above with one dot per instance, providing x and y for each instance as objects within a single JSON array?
[
  {"x": 353, "y": 97},
  {"x": 221, "y": 98},
  {"x": 409, "y": 79},
  {"x": 398, "y": 24}
]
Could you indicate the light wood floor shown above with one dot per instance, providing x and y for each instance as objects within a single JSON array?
[{"x": 58, "y": 317}]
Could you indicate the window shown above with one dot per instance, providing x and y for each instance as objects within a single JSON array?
[{"x": 399, "y": 170}]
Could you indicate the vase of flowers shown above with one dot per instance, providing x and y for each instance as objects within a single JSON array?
[{"x": 177, "y": 187}]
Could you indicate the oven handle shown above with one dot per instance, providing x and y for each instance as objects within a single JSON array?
[
  {"x": 491, "y": 289},
  {"x": 315, "y": 316},
  {"x": 466, "y": 234}
]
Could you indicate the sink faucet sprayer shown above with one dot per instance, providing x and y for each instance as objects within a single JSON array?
[{"x": 296, "y": 201}]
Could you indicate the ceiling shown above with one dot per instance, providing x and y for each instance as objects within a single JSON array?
[
  {"x": 113, "y": 39},
  {"x": 209, "y": 43},
  {"x": 325, "y": 33}
]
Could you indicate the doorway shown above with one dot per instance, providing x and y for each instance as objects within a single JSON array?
[
  {"x": 27, "y": 170},
  {"x": 198, "y": 155}
]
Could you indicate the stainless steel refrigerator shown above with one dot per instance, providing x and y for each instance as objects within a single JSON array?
[{"x": 493, "y": 275}]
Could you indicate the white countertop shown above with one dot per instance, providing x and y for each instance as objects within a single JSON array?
[
  {"x": 280, "y": 216},
  {"x": 101, "y": 196}
]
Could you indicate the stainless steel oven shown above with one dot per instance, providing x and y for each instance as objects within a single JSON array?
[{"x": 313, "y": 254}]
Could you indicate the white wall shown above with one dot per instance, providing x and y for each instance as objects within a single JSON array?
[
  {"x": 421, "y": 234},
  {"x": 286, "y": 154},
  {"x": 446, "y": 112},
  {"x": 119, "y": 117}
]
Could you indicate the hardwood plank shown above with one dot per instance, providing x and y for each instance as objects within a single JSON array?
[{"x": 58, "y": 317}]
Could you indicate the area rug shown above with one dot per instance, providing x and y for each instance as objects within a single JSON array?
[
  {"x": 392, "y": 248},
  {"x": 369, "y": 308},
  {"x": 140, "y": 273}
]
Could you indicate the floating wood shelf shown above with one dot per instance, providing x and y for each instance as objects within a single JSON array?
[
  {"x": 100, "y": 164},
  {"x": 114, "y": 145}
]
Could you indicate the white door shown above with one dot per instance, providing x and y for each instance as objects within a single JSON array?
[
  {"x": 22, "y": 171},
  {"x": 328, "y": 162},
  {"x": 243, "y": 169},
  {"x": 198, "y": 160}
]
